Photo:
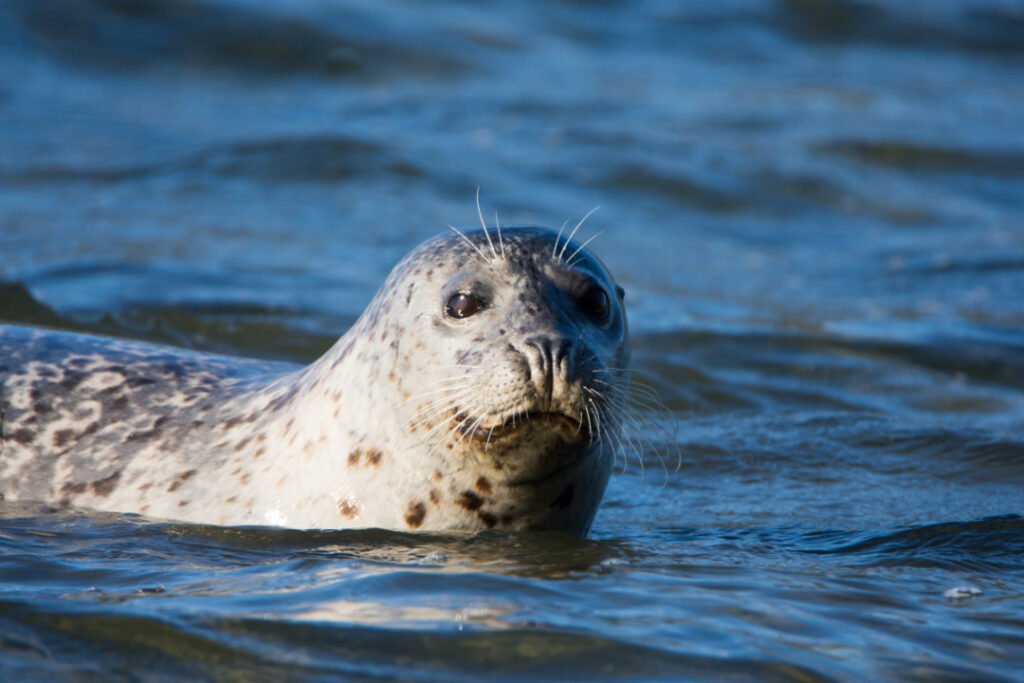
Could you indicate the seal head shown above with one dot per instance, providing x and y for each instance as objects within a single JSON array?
[{"x": 514, "y": 373}]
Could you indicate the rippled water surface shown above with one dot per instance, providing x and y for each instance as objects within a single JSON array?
[{"x": 815, "y": 207}]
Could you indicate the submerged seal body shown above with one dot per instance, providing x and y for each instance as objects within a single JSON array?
[{"x": 482, "y": 388}]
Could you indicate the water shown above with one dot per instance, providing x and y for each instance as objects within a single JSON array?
[{"x": 815, "y": 208}]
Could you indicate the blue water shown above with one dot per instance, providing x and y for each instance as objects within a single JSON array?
[{"x": 815, "y": 207}]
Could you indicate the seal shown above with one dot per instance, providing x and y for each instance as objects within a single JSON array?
[{"x": 483, "y": 387}]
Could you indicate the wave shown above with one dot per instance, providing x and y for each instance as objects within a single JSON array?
[{"x": 976, "y": 544}]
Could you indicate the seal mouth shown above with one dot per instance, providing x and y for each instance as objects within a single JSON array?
[{"x": 572, "y": 429}]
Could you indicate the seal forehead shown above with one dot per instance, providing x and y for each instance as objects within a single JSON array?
[{"x": 524, "y": 248}]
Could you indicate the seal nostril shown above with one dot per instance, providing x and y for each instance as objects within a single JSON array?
[{"x": 562, "y": 357}]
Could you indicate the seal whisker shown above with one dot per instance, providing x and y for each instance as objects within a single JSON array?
[
  {"x": 484, "y": 225},
  {"x": 569, "y": 238},
  {"x": 441, "y": 424},
  {"x": 447, "y": 382},
  {"x": 501, "y": 242},
  {"x": 436, "y": 415},
  {"x": 468, "y": 431},
  {"x": 445, "y": 403},
  {"x": 590, "y": 422},
  {"x": 438, "y": 405},
  {"x": 462, "y": 383},
  {"x": 569, "y": 261},
  {"x": 626, "y": 446},
  {"x": 554, "y": 249},
  {"x": 455, "y": 414},
  {"x": 470, "y": 243},
  {"x": 634, "y": 421}
]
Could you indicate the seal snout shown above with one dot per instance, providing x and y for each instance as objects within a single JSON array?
[{"x": 550, "y": 366}]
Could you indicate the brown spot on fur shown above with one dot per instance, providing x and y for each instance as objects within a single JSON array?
[
  {"x": 182, "y": 478},
  {"x": 483, "y": 486},
  {"x": 183, "y": 503},
  {"x": 259, "y": 451},
  {"x": 506, "y": 519},
  {"x": 61, "y": 436},
  {"x": 347, "y": 509},
  {"x": 25, "y": 436},
  {"x": 145, "y": 487},
  {"x": 353, "y": 457},
  {"x": 148, "y": 434},
  {"x": 373, "y": 457},
  {"x": 244, "y": 479},
  {"x": 438, "y": 476},
  {"x": 307, "y": 447},
  {"x": 104, "y": 486},
  {"x": 488, "y": 519},
  {"x": 75, "y": 489},
  {"x": 435, "y": 496},
  {"x": 230, "y": 500},
  {"x": 288, "y": 425},
  {"x": 469, "y": 500},
  {"x": 416, "y": 514},
  {"x": 144, "y": 509},
  {"x": 241, "y": 444}
]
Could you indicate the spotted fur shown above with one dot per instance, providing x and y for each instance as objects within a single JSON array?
[{"x": 413, "y": 420}]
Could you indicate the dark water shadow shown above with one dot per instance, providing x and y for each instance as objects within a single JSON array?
[
  {"x": 977, "y": 545},
  {"x": 49, "y": 531},
  {"x": 231, "y": 328}
]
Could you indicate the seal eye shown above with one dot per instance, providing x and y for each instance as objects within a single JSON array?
[
  {"x": 594, "y": 303},
  {"x": 463, "y": 305}
]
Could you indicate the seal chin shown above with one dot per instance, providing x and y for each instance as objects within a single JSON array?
[
  {"x": 536, "y": 449},
  {"x": 564, "y": 468}
]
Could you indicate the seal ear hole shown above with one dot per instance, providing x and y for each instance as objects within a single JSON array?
[
  {"x": 463, "y": 305},
  {"x": 620, "y": 292},
  {"x": 595, "y": 305}
]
